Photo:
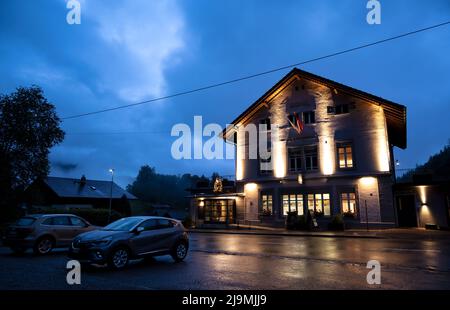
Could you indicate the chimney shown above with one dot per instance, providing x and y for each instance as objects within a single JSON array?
[{"x": 83, "y": 180}]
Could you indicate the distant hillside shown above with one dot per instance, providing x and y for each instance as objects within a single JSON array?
[{"x": 438, "y": 165}]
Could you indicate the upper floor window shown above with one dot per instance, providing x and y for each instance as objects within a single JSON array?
[
  {"x": 295, "y": 160},
  {"x": 266, "y": 204},
  {"x": 338, "y": 109},
  {"x": 309, "y": 117},
  {"x": 345, "y": 156},
  {"x": 311, "y": 158},
  {"x": 265, "y": 122},
  {"x": 265, "y": 165},
  {"x": 293, "y": 203}
]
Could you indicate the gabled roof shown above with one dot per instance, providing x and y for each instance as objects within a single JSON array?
[
  {"x": 395, "y": 113},
  {"x": 73, "y": 188}
]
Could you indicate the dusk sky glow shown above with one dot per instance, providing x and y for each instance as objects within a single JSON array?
[{"x": 129, "y": 51}]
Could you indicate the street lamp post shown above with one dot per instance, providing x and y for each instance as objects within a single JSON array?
[{"x": 110, "y": 194}]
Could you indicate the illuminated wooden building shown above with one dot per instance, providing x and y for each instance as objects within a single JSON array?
[{"x": 340, "y": 163}]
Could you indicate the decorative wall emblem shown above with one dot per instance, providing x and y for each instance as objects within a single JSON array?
[{"x": 218, "y": 187}]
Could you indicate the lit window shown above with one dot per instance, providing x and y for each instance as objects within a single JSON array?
[
  {"x": 345, "y": 156},
  {"x": 267, "y": 204},
  {"x": 293, "y": 203},
  {"x": 348, "y": 203},
  {"x": 319, "y": 204}
]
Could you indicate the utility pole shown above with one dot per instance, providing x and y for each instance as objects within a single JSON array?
[{"x": 110, "y": 194}]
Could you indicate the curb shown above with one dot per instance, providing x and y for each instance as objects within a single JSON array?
[{"x": 258, "y": 233}]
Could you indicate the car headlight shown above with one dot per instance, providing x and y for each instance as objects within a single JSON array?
[{"x": 100, "y": 242}]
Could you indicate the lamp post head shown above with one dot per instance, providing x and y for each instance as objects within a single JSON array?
[{"x": 111, "y": 170}]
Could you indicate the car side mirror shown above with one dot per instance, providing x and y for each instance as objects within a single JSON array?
[{"x": 138, "y": 230}]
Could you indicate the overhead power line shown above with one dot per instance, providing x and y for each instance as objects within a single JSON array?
[{"x": 259, "y": 74}]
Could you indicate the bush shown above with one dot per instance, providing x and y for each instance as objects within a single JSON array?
[
  {"x": 337, "y": 223},
  {"x": 97, "y": 217}
]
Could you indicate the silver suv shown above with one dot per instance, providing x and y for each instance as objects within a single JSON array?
[
  {"x": 43, "y": 232},
  {"x": 131, "y": 238}
]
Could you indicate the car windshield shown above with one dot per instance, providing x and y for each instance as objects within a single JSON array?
[
  {"x": 123, "y": 224},
  {"x": 25, "y": 221}
]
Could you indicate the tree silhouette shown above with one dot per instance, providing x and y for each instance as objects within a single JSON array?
[{"x": 29, "y": 127}]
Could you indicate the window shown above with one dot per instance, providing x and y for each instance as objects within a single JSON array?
[
  {"x": 345, "y": 155},
  {"x": 309, "y": 117},
  {"x": 57, "y": 220},
  {"x": 267, "y": 204},
  {"x": 348, "y": 203},
  {"x": 293, "y": 203},
  {"x": 319, "y": 204},
  {"x": 311, "y": 158},
  {"x": 265, "y": 165},
  {"x": 339, "y": 109},
  {"x": 265, "y": 122},
  {"x": 295, "y": 160},
  {"x": 25, "y": 221},
  {"x": 149, "y": 225},
  {"x": 162, "y": 223},
  {"x": 76, "y": 221}
]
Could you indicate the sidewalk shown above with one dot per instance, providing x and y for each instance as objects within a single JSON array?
[{"x": 391, "y": 233}]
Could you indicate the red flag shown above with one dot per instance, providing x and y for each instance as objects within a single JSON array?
[{"x": 299, "y": 124}]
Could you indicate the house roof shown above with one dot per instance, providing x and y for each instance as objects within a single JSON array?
[
  {"x": 395, "y": 113},
  {"x": 69, "y": 187}
]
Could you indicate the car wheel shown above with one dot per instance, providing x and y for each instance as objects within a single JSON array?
[
  {"x": 43, "y": 245},
  {"x": 118, "y": 258},
  {"x": 179, "y": 251}
]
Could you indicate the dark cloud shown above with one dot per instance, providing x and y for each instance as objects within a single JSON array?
[
  {"x": 64, "y": 167},
  {"x": 125, "y": 51}
]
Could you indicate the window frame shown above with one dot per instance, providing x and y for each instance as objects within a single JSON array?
[
  {"x": 306, "y": 161},
  {"x": 265, "y": 199},
  {"x": 299, "y": 157},
  {"x": 347, "y": 193},
  {"x": 345, "y": 145},
  {"x": 322, "y": 204},
  {"x": 299, "y": 203},
  {"x": 309, "y": 117}
]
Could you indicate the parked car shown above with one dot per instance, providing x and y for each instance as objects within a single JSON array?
[
  {"x": 43, "y": 232},
  {"x": 131, "y": 238}
]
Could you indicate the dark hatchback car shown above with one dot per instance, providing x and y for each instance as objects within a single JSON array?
[
  {"x": 43, "y": 232},
  {"x": 131, "y": 238}
]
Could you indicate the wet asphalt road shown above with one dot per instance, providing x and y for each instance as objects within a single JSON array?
[{"x": 220, "y": 261}]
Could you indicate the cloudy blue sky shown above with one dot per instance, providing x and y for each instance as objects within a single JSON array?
[{"x": 128, "y": 51}]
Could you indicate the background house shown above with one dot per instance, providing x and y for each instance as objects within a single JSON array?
[{"x": 70, "y": 193}]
